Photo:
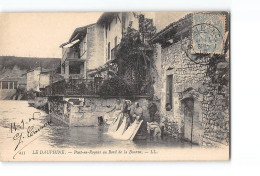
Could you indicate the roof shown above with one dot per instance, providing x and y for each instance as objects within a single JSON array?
[
  {"x": 57, "y": 77},
  {"x": 182, "y": 25},
  {"x": 105, "y": 67},
  {"x": 37, "y": 68},
  {"x": 14, "y": 79},
  {"x": 107, "y": 17},
  {"x": 171, "y": 29},
  {"x": 43, "y": 70},
  {"x": 78, "y": 34}
]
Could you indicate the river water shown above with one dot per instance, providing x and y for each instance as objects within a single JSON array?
[{"x": 53, "y": 136}]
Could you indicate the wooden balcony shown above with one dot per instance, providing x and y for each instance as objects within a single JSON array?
[{"x": 70, "y": 54}]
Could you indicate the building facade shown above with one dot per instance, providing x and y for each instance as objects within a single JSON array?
[
  {"x": 44, "y": 80},
  {"x": 194, "y": 93},
  {"x": 33, "y": 77},
  {"x": 38, "y": 79},
  {"x": 10, "y": 85},
  {"x": 83, "y": 51}
]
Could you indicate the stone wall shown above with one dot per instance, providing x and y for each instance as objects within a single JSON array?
[
  {"x": 73, "y": 111},
  {"x": 6, "y": 94},
  {"x": 59, "y": 111},
  {"x": 191, "y": 80}
]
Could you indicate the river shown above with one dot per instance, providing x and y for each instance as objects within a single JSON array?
[{"x": 53, "y": 136}]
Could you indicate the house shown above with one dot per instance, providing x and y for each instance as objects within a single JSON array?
[
  {"x": 89, "y": 57},
  {"x": 115, "y": 25},
  {"x": 126, "y": 48},
  {"x": 38, "y": 79},
  {"x": 44, "y": 79},
  {"x": 10, "y": 85},
  {"x": 101, "y": 63},
  {"x": 33, "y": 77},
  {"x": 195, "y": 84},
  {"x": 83, "y": 51}
]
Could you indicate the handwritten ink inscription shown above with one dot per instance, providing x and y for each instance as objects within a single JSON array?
[{"x": 24, "y": 130}]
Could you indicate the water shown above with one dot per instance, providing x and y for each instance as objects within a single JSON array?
[{"x": 53, "y": 136}]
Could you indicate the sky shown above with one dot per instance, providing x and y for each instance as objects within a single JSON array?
[{"x": 41, "y": 34}]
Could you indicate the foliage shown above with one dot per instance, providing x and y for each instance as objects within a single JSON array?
[
  {"x": 135, "y": 53},
  {"x": 218, "y": 70},
  {"x": 115, "y": 86},
  {"x": 135, "y": 42},
  {"x": 26, "y": 63},
  {"x": 31, "y": 94}
]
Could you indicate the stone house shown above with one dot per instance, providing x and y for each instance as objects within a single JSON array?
[{"x": 194, "y": 88}]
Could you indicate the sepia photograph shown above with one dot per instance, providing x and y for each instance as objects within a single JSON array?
[{"x": 115, "y": 86}]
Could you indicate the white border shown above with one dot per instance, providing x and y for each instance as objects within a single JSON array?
[{"x": 245, "y": 61}]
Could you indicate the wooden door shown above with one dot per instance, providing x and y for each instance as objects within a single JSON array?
[{"x": 188, "y": 108}]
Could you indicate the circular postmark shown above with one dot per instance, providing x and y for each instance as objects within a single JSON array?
[{"x": 206, "y": 39}]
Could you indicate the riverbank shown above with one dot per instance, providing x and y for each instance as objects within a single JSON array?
[{"x": 67, "y": 137}]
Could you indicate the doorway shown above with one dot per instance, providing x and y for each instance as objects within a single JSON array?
[
  {"x": 169, "y": 92},
  {"x": 188, "y": 110}
]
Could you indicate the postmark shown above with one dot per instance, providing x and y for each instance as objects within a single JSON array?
[{"x": 208, "y": 33}]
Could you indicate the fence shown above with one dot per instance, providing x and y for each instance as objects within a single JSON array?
[{"x": 89, "y": 87}]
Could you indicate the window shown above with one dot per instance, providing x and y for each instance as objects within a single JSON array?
[
  {"x": 83, "y": 47},
  {"x": 169, "y": 90},
  {"x": 115, "y": 41},
  {"x": 108, "y": 51},
  {"x": 4, "y": 85},
  {"x": 74, "y": 67},
  {"x": 106, "y": 31},
  {"x": 11, "y": 86},
  {"x": 15, "y": 85}
]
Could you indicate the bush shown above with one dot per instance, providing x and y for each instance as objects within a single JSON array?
[{"x": 115, "y": 86}]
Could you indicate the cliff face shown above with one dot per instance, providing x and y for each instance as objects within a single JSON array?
[{"x": 12, "y": 66}]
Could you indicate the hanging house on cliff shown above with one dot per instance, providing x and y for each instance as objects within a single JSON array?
[{"x": 195, "y": 85}]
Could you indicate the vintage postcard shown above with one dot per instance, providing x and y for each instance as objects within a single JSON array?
[{"x": 115, "y": 86}]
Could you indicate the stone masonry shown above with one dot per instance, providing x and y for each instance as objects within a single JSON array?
[{"x": 211, "y": 107}]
